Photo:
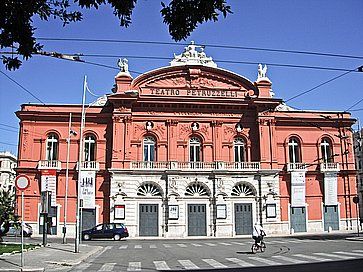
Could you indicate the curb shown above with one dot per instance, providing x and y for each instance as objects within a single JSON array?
[{"x": 28, "y": 269}]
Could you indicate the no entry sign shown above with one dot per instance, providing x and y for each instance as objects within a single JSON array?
[{"x": 22, "y": 182}]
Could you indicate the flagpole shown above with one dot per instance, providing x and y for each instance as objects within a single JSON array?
[{"x": 76, "y": 248}]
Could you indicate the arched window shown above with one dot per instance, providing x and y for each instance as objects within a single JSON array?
[
  {"x": 294, "y": 151},
  {"x": 243, "y": 189},
  {"x": 90, "y": 148},
  {"x": 149, "y": 149},
  {"x": 326, "y": 150},
  {"x": 239, "y": 150},
  {"x": 195, "y": 150},
  {"x": 149, "y": 189},
  {"x": 52, "y": 147}
]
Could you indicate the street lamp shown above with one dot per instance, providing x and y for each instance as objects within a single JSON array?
[{"x": 70, "y": 133}]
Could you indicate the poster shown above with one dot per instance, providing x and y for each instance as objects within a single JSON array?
[
  {"x": 48, "y": 183},
  {"x": 119, "y": 211},
  {"x": 87, "y": 189},
  {"x": 173, "y": 212},
  {"x": 221, "y": 211},
  {"x": 330, "y": 189},
  {"x": 297, "y": 189},
  {"x": 271, "y": 210}
]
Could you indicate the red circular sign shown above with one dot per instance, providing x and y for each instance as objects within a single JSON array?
[{"x": 22, "y": 182}]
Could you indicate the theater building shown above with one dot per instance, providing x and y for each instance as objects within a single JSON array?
[{"x": 190, "y": 149}]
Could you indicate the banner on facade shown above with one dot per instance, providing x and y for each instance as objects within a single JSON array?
[
  {"x": 297, "y": 189},
  {"x": 48, "y": 183},
  {"x": 87, "y": 189},
  {"x": 330, "y": 189}
]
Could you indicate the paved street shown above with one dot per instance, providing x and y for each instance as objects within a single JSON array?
[{"x": 298, "y": 253}]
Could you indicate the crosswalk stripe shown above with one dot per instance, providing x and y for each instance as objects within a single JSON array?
[
  {"x": 294, "y": 241},
  {"x": 210, "y": 244},
  {"x": 350, "y": 253},
  {"x": 188, "y": 264},
  {"x": 225, "y": 244},
  {"x": 138, "y": 246},
  {"x": 167, "y": 245},
  {"x": 312, "y": 258},
  {"x": 357, "y": 250},
  {"x": 239, "y": 262},
  {"x": 161, "y": 265},
  {"x": 277, "y": 242},
  {"x": 288, "y": 259},
  {"x": 107, "y": 267},
  {"x": 181, "y": 245},
  {"x": 152, "y": 246},
  {"x": 214, "y": 263},
  {"x": 82, "y": 267},
  {"x": 196, "y": 245},
  {"x": 331, "y": 255},
  {"x": 134, "y": 266},
  {"x": 123, "y": 246},
  {"x": 238, "y": 243},
  {"x": 265, "y": 261}
]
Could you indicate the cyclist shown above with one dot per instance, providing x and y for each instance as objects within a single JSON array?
[{"x": 258, "y": 233}]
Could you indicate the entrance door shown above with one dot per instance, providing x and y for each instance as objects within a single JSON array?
[
  {"x": 88, "y": 219},
  {"x": 148, "y": 220},
  {"x": 197, "y": 220},
  {"x": 331, "y": 217},
  {"x": 243, "y": 218},
  {"x": 298, "y": 219}
]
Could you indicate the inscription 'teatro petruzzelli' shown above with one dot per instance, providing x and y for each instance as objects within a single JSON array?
[{"x": 188, "y": 92}]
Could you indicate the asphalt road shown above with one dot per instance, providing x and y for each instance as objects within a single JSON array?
[{"x": 305, "y": 253}]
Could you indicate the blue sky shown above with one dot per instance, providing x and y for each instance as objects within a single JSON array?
[{"x": 328, "y": 26}]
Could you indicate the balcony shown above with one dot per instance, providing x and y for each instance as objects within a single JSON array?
[
  {"x": 89, "y": 165},
  {"x": 239, "y": 166},
  {"x": 329, "y": 167},
  {"x": 296, "y": 166},
  {"x": 46, "y": 165}
]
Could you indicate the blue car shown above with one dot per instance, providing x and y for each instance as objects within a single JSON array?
[{"x": 106, "y": 230}]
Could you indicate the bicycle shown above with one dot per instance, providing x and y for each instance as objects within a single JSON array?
[{"x": 258, "y": 246}]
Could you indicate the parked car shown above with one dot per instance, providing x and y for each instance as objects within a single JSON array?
[
  {"x": 15, "y": 229},
  {"x": 106, "y": 230}
]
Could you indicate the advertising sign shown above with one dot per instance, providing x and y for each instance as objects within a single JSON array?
[
  {"x": 297, "y": 189},
  {"x": 87, "y": 189},
  {"x": 49, "y": 184},
  {"x": 330, "y": 189},
  {"x": 119, "y": 211}
]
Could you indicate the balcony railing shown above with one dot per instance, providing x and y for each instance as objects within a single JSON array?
[
  {"x": 45, "y": 164},
  {"x": 297, "y": 166},
  {"x": 89, "y": 165},
  {"x": 329, "y": 166},
  {"x": 245, "y": 166}
]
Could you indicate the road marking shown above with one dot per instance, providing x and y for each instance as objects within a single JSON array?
[
  {"x": 82, "y": 267},
  {"x": 238, "y": 243},
  {"x": 152, "y": 246},
  {"x": 214, "y": 263},
  {"x": 225, "y": 244},
  {"x": 123, "y": 246},
  {"x": 210, "y": 244},
  {"x": 357, "y": 250},
  {"x": 161, "y": 265},
  {"x": 181, "y": 245},
  {"x": 107, "y": 267},
  {"x": 277, "y": 242},
  {"x": 188, "y": 264},
  {"x": 330, "y": 255},
  {"x": 288, "y": 259},
  {"x": 138, "y": 246},
  {"x": 197, "y": 245},
  {"x": 265, "y": 261},
  {"x": 350, "y": 253},
  {"x": 312, "y": 258},
  {"x": 167, "y": 245},
  {"x": 134, "y": 266},
  {"x": 239, "y": 262},
  {"x": 294, "y": 241}
]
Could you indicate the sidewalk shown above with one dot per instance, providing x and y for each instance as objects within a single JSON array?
[{"x": 54, "y": 257}]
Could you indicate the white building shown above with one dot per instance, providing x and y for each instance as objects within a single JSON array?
[{"x": 7, "y": 171}]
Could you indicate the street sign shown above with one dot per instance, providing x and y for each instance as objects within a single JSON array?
[{"x": 22, "y": 182}]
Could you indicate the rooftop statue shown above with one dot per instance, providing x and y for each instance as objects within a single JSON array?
[
  {"x": 123, "y": 64},
  {"x": 191, "y": 56}
]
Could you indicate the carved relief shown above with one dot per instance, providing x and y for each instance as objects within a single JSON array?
[
  {"x": 161, "y": 130},
  {"x": 205, "y": 130},
  {"x": 185, "y": 129},
  {"x": 229, "y": 130},
  {"x": 25, "y": 139},
  {"x": 171, "y": 80},
  {"x": 138, "y": 129}
]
